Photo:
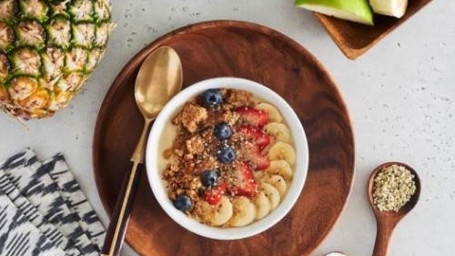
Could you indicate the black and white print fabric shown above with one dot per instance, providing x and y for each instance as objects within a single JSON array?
[
  {"x": 75, "y": 198},
  {"x": 35, "y": 217},
  {"x": 18, "y": 237},
  {"x": 50, "y": 201}
]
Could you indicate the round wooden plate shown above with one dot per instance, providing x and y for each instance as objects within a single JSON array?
[{"x": 238, "y": 49}]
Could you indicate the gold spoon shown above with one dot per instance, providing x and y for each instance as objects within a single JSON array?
[
  {"x": 158, "y": 80},
  {"x": 388, "y": 220}
]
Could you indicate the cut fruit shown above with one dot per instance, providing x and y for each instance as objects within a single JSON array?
[
  {"x": 263, "y": 205},
  {"x": 282, "y": 151},
  {"x": 253, "y": 154},
  {"x": 272, "y": 194},
  {"x": 244, "y": 212},
  {"x": 272, "y": 112},
  {"x": 279, "y": 131},
  {"x": 214, "y": 195},
  {"x": 253, "y": 116},
  {"x": 258, "y": 137},
  {"x": 353, "y": 10},
  {"x": 244, "y": 183},
  {"x": 219, "y": 214},
  {"x": 280, "y": 167},
  {"x": 278, "y": 182},
  {"x": 395, "y": 8}
]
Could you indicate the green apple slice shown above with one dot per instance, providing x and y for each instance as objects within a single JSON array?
[
  {"x": 395, "y": 8},
  {"x": 353, "y": 10}
]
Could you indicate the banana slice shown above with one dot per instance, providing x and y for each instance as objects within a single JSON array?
[
  {"x": 219, "y": 214},
  {"x": 258, "y": 175},
  {"x": 263, "y": 205},
  {"x": 395, "y": 8},
  {"x": 278, "y": 182},
  {"x": 280, "y": 167},
  {"x": 272, "y": 194},
  {"x": 244, "y": 212},
  {"x": 282, "y": 151},
  {"x": 273, "y": 113},
  {"x": 279, "y": 131}
]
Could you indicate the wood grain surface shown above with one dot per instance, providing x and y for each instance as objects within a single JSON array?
[
  {"x": 355, "y": 39},
  {"x": 246, "y": 50}
]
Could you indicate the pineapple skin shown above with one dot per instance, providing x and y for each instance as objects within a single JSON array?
[{"x": 48, "y": 48}]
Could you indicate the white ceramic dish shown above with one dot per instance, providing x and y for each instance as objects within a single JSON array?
[{"x": 300, "y": 168}]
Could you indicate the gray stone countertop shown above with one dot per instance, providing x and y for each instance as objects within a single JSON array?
[{"x": 401, "y": 98}]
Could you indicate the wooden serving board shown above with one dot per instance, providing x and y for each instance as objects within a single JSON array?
[
  {"x": 355, "y": 39},
  {"x": 239, "y": 49}
]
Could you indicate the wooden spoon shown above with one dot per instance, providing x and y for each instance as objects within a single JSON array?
[
  {"x": 388, "y": 220},
  {"x": 158, "y": 80}
]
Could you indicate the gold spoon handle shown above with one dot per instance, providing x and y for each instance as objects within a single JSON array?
[
  {"x": 121, "y": 215},
  {"x": 383, "y": 235}
]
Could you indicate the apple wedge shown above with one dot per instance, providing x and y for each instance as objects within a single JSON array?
[
  {"x": 353, "y": 10},
  {"x": 395, "y": 8}
]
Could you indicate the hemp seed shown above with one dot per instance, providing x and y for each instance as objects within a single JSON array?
[{"x": 393, "y": 187}]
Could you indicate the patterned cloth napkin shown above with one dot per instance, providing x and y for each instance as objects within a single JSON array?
[{"x": 43, "y": 210}]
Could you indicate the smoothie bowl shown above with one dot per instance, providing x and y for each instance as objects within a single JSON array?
[{"x": 227, "y": 158}]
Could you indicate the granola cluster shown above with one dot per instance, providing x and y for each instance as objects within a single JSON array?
[{"x": 195, "y": 146}]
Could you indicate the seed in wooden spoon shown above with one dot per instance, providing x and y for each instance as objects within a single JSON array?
[{"x": 393, "y": 187}]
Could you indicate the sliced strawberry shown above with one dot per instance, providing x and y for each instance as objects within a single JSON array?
[
  {"x": 253, "y": 116},
  {"x": 257, "y": 136},
  {"x": 213, "y": 196},
  {"x": 254, "y": 154},
  {"x": 261, "y": 162},
  {"x": 244, "y": 183}
]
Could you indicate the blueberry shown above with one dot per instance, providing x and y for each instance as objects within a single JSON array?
[
  {"x": 209, "y": 178},
  {"x": 222, "y": 131},
  {"x": 183, "y": 203},
  {"x": 212, "y": 97},
  {"x": 226, "y": 155}
]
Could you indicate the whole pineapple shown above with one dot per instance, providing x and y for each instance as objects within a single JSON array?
[{"x": 48, "y": 48}]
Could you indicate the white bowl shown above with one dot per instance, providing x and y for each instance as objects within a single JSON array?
[{"x": 301, "y": 165}]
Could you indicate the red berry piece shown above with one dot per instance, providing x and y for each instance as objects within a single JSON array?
[
  {"x": 254, "y": 155},
  {"x": 257, "y": 136},
  {"x": 213, "y": 196},
  {"x": 253, "y": 116},
  {"x": 244, "y": 183}
]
